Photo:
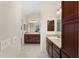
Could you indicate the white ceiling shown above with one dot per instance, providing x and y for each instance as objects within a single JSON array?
[{"x": 30, "y": 7}]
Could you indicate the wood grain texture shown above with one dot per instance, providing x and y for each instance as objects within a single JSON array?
[
  {"x": 70, "y": 29},
  {"x": 32, "y": 38},
  {"x": 52, "y": 49}
]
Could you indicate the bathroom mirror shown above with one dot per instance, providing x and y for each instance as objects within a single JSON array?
[
  {"x": 58, "y": 25},
  {"x": 34, "y": 26},
  {"x": 58, "y": 20}
]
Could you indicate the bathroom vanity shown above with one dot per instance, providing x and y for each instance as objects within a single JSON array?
[
  {"x": 53, "y": 46},
  {"x": 32, "y": 37}
]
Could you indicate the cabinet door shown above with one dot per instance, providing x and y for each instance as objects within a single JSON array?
[
  {"x": 56, "y": 51},
  {"x": 36, "y": 38},
  {"x": 70, "y": 39},
  {"x": 25, "y": 38},
  {"x": 30, "y": 39},
  {"x": 70, "y": 28},
  {"x": 69, "y": 8},
  {"x": 55, "y": 54},
  {"x": 50, "y": 51},
  {"x": 49, "y": 47}
]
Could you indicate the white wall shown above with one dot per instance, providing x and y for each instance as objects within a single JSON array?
[
  {"x": 10, "y": 21},
  {"x": 48, "y": 12}
]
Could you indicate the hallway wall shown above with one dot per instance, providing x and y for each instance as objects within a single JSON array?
[
  {"x": 10, "y": 22},
  {"x": 48, "y": 12}
]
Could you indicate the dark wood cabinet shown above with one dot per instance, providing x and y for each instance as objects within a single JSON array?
[
  {"x": 56, "y": 51},
  {"x": 52, "y": 49},
  {"x": 31, "y": 38},
  {"x": 49, "y": 48},
  {"x": 50, "y": 25},
  {"x": 70, "y": 29},
  {"x": 69, "y": 8},
  {"x": 55, "y": 54}
]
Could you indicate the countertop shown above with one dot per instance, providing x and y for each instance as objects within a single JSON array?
[
  {"x": 32, "y": 33},
  {"x": 55, "y": 40}
]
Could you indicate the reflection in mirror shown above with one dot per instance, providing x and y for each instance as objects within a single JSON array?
[
  {"x": 58, "y": 25},
  {"x": 58, "y": 22},
  {"x": 34, "y": 26}
]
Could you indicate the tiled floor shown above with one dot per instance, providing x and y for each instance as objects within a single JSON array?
[{"x": 27, "y": 51}]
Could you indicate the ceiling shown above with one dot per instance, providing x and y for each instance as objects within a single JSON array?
[{"x": 30, "y": 7}]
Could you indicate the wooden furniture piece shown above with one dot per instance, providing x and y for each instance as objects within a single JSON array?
[
  {"x": 50, "y": 25},
  {"x": 49, "y": 47},
  {"x": 70, "y": 40},
  {"x": 56, "y": 51},
  {"x": 52, "y": 49},
  {"x": 32, "y": 38}
]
